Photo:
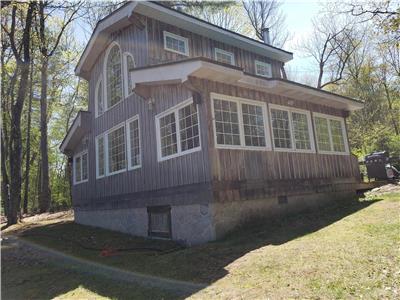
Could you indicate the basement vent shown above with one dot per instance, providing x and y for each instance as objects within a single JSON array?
[
  {"x": 282, "y": 200},
  {"x": 159, "y": 218}
]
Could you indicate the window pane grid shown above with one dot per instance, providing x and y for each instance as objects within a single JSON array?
[
  {"x": 116, "y": 150},
  {"x": 175, "y": 44},
  {"x": 99, "y": 97},
  {"x": 281, "y": 128},
  {"x": 134, "y": 143},
  {"x": 226, "y": 58},
  {"x": 78, "y": 166},
  {"x": 130, "y": 65},
  {"x": 84, "y": 166},
  {"x": 263, "y": 69},
  {"x": 114, "y": 80},
  {"x": 301, "y": 131},
  {"x": 337, "y": 135},
  {"x": 226, "y": 122},
  {"x": 189, "y": 127},
  {"x": 253, "y": 125},
  {"x": 322, "y": 130},
  {"x": 168, "y": 137},
  {"x": 100, "y": 156}
]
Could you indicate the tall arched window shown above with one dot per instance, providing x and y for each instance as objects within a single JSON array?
[
  {"x": 129, "y": 63},
  {"x": 113, "y": 76}
]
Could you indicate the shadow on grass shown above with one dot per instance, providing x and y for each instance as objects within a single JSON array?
[{"x": 202, "y": 264}]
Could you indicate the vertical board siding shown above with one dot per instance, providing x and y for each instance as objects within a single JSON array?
[{"x": 252, "y": 165}]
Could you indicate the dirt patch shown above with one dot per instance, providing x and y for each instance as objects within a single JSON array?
[{"x": 385, "y": 189}]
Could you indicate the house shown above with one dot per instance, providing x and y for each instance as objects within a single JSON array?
[{"x": 192, "y": 129}]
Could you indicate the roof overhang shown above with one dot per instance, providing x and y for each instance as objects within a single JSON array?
[
  {"x": 123, "y": 17},
  {"x": 181, "y": 71},
  {"x": 76, "y": 132}
]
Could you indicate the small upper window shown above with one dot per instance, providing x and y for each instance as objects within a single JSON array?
[
  {"x": 263, "y": 69},
  {"x": 99, "y": 98},
  {"x": 114, "y": 76},
  {"x": 81, "y": 167},
  {"x": 129, "y": 63},
  {"x": 224, "y": 56},
  {"x": 176, "y": 43}
]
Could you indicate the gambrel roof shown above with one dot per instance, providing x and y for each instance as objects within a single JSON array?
[{"x": 124, "y": 16}]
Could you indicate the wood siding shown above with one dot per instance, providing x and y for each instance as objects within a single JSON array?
[
  {"x": 191, "y": 178},
  {"x": 200, "y": 46}
]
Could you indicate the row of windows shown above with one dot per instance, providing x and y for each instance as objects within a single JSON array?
[
  {"x": 179, "y": 44},
  {"x": 241, "y": 123},
  {"x": 238, "y": 124},
  {"x": 116, "y": 67}
]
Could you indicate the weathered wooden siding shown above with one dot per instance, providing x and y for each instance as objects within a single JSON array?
[
  {"x": 273, "y": 170},
  {"x": 189, "y": 170},
  {"x": 200, "y": 46}
]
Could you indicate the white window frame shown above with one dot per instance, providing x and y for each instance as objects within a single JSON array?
[
  {"x": 106, "y": 133},
  {"x": 96, "y": 97},
  {"x": 126, "y": 73},
  {"x": 106, "y": 108},
  {"x": 175, "y": 110},
  {"x": 98, "y": 176},
  {"x": 178, "y": 37},
  {"x": 238, "y": 102},
  {"x": 344, "y": 133},
  {"x": 80, "y": 154},
  {"x": 292, "y": 139},
  {"x": 218, "y": 50},
  {"x": 264, "y": 64},
  {"x": 128, "y": 143}
]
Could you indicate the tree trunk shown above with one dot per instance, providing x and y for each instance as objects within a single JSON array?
[
  {"x": 16, "y": 146},
  {"x": 392, "y": 117},
  {"x": 28, "y": 144},
  {"x": 45, "y": 194},
  {"x": 5, "y": 183}
]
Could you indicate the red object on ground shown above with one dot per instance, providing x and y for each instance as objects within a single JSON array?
[{"x": 107, "y": 252}]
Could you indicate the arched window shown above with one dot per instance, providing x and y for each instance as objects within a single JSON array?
[
  {"x": 113, "y": 76},
  {"x": 129, "y": 63},
  {"x": 99, "y": 98}
]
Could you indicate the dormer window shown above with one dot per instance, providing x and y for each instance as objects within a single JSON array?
[
  {"x": 129, "y": 63},
  {"x": 224, "y": 56},
  {"x": 263, "y": 69},
  {"x": 113, "y": 76},
  {"x": 176, "y": 43}
]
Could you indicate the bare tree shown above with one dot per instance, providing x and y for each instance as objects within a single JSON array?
[
  {"x": 48, "y": 46},
  {"x": 332, "y": 44},
  {"x": 268, "y": 14},
  {"x": 231, "y": 17}
]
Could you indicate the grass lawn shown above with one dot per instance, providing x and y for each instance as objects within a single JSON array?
[{"x": 341, "y": 251}]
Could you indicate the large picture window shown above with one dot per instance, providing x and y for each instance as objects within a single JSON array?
[
  {"x": 330, "y": 134},
  {"x": 239, "y": 123},
  {"x": 178, "y": 130},
  {"x": 291, "y": 129},
  {"x": 113, "y": 76},
  {"x": 81, "y": 167}
]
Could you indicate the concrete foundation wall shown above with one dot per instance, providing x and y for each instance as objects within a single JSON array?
[
  {"x": 228, "y": 215},
  {"x": 190, "y": 224}
]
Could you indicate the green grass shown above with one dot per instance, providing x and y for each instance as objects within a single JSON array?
[
  {"x": 342, "y": 251},
  {"x": 26, "y": 279}
]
